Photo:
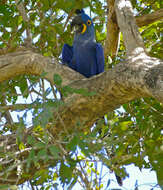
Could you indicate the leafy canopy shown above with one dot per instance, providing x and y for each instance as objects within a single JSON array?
[{"x": 131, "y": 134}]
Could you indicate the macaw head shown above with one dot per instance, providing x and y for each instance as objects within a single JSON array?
[{"x": 83, "y": 24}]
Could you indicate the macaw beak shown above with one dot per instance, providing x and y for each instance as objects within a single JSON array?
[{"x": 79, "y": 25}]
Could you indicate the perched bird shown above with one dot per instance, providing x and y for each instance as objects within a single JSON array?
[{"x": 85, "y": 56}]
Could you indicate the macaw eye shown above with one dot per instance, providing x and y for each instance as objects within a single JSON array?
[{"x": 89, "y": 22}]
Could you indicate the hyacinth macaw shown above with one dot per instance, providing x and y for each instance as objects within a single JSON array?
[{"x": 85, "y": 56}]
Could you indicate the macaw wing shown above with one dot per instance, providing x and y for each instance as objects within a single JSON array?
[
  {"x": 99, "y": 58},
  {"x": 67, "y": 54}
]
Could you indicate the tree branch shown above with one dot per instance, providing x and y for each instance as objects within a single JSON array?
[
  {"x": 112, "y": 36},
  {"x": 126, "y": 21},
  {"x": 12, "y": 64},
  {"x": 6, "y": 114},
  {"x": 15, "y": 107},
  {"x": 23, "y": 13},
  {"x": 139, "y": 77},
  {"x": 149, "y": 18}
]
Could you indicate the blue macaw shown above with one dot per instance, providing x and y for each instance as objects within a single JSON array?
[{"x": 85, "y": 56}]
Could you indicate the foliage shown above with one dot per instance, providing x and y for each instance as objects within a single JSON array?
[{"x": 132, "y": 134}]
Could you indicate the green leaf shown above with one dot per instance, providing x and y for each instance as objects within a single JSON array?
[
  {"x": 65, "y": 90},
  {"x": 21, "y": 146},
  {"x": 73, "y": 143},
  {"x": 84, "y": 92},
  {"x": 54, "y": 151},
  {"x": 31, "y": 158},
  {"x": 57, "y": 79},
  {"x": 42, "y": 154},
  {"x": 40, "y": 145},
  {"x": 31, "y": 140},
  {"x": 125, "y": 124},
  {"x": 55, "y": 176},
  {"x": 65, "y": 173},
  {"x": 23, "y": 86},
  {"x": 4, "y": 187},
  {"x": 41, "y": 176}
]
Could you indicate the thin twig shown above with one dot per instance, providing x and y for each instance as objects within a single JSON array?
[
  {"x": 61, "y": 120},
  {"x": 23, "y": 13},
  {"x": 68, "y": 18},
  {"x": 84, "y": 173}
]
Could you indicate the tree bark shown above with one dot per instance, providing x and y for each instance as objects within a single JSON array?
[
  {"x": 113, "y": 30},
  {"x": 149, "y": 18},
  {"x": 112, "y": 36},
  {"x": 132, "y": 39}
]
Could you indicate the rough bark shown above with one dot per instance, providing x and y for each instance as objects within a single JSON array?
[
  {"x": 132, "y": 39},
  {"x": 138, "y": 76},
  {"x": 27, "y": 62},
  {"x": 149, "y": 18},
  {"x": 112, "y": 36},
  {"x": 113, "y": 31}
]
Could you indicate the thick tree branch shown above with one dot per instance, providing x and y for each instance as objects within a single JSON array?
[
  {"x": 126, "y": 21},
  {"x": 113, "y": 88},
  {"x": 138, "y": 77},
  {"x": 112, "y": 36},
  {"x": 149, "y": 18},
  {"x": 21, "y": 62}
]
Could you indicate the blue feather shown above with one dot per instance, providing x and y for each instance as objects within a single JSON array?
[{"x": 85, "y": 56}]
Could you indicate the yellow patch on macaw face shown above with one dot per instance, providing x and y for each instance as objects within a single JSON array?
[{"x": 84, "y": 28}]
